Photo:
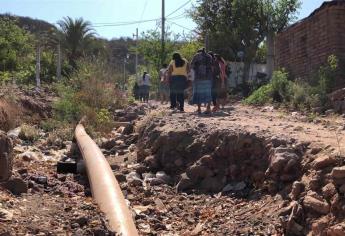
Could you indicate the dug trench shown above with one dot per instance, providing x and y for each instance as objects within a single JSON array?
[{"x": 188, "y": 176}]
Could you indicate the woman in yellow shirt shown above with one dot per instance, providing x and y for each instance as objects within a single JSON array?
[{"x": 178, "y": 70}]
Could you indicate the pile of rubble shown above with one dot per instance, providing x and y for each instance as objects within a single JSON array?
[{"x": 207, "y": 159}]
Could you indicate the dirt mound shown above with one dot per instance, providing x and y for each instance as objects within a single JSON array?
[
  {"x": 204, "y": 157},
  {"x": 8, "y": 115},
  {"x": 208, "y": 159},
  {"x": 23, "y": 106}
]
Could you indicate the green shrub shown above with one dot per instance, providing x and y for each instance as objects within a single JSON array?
[
  {"x": 278, "y": 90},
  {"x": 297, "y": 94},
  {"x": 29, "y": 133},
  {"x": 131, "y": 100},
  {"x": 66, "y": 108},
  {"x": 261, "y": 96},
  {"x": 90, "y": 92},
  {"x": 281, "y": 86},
  {"x": 301, "y": 96}
]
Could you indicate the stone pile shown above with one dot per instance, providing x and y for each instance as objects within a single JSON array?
[
  {"x": 234, "y": 161},
  {"x": 217, "y": 159}
]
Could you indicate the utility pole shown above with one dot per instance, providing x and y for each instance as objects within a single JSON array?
[
  {"x": 136, "y": 55},
  {"x": 58, "y": 69},
  {"x": 124, "y": 73},
  {"x": 38, "y": 65},
  {"x": 163, "y": 31}
]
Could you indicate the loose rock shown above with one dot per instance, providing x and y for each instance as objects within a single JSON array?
[
  {"x": 17, "y": 186},
  {"x": 338, "y": 172},
  {"x": 323, "y": 161},
  {"x": 329, "y": 191},
  {"x": 316, "y": 205}
]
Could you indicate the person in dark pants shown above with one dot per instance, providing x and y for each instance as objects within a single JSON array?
[
  {"x": 146, "y": 87},
  {"x": 178, "y": 71},
  {"x": 202, "y": 84},
  {"x": 136, "y": 91},
  {"x": 216, "y": 82}
]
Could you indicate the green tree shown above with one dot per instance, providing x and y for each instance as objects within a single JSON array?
[
  {"x": 76, "y": 34},
  {"x": 15, "y": 46},
  {"x": 237, "y": 25},
  {"x": 188, "y": 49},
  {"x": 150, "y": 48}
]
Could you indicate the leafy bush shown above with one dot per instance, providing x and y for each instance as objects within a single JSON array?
[
  {"x": 278, "y": 90},
  {"x": 261, "y": 96},
  {"x": 90, "y": 92},
  {"x": 104, "y": 121},
  {"x": 66, "y": 108},
  {"x": 299, "y": 95},
  {"x": 16, "y": 52},
  {"x": 281, "y": 86}
]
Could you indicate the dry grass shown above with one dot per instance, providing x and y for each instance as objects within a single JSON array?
[{"x": 29, "y": 133}]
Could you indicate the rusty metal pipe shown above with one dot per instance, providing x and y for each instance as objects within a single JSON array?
[{"x": 105, "y": 189}]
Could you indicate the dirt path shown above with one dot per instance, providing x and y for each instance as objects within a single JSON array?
[{"x": 320, "y": 131}]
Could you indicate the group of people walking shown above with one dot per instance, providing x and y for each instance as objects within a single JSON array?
[{"x": 206, "y": 73}]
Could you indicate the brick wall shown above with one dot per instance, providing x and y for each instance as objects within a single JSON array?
[{"x": 305, "y": 46}]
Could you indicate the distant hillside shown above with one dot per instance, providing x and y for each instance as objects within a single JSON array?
[{"x": 32, "y": 25}]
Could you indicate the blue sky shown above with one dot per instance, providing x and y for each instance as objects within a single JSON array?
[{"x": 115, "y": 11}]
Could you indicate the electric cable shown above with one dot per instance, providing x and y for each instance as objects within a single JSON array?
[
  {"x": 179, "y": 8},
  {"x": 174, "y": 23},
  {"x": 143, "y": 12}
]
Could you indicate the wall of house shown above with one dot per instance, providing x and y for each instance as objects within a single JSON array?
[{"x": 306, "y": 45}]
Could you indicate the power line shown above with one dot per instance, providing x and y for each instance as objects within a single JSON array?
[
  {"x": 179, "y": 8},
  {"x": 174, "y": 23},
  {"x": 143, "y": 12},
  {"x": 123, "y": 23},
  {"x": 183, "y": 15}
]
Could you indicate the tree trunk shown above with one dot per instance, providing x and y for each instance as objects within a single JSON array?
[{"x": 270, "y": 54}]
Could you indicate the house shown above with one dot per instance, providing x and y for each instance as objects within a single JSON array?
[
  {"x": 236, "y": 76},
  {"x": 305, "y": 46}
]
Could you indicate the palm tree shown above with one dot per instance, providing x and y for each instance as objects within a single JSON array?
[{"x": 75, "y": 36}]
